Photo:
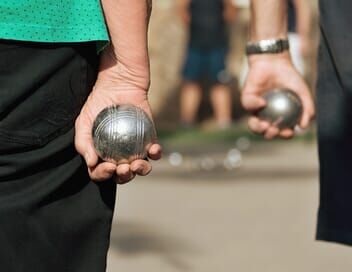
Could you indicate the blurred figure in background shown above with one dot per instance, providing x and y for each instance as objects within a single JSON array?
[
  {"x": 207, "y": 21},
  {"x": 299, "y": 22}
]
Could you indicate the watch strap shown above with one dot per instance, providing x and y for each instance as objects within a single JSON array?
[{"x": 267, "y": 46}]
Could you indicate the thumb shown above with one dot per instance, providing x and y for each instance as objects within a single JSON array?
[
  {"x": 252, "y": 102},
  {"x": 84, "y": 143}
]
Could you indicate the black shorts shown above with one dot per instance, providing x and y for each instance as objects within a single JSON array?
[
  {"x": 52, "y": 217},
  {"x": 204, "y": 64}
]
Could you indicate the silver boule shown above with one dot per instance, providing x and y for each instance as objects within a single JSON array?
[
  {"x": 284, "y": 108},
  {"x": 123, "y": 133}
]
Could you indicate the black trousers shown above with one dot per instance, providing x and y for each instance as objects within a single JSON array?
[
  {"x": 52, "y": 217},
  {"x": 334, "y": 98}
]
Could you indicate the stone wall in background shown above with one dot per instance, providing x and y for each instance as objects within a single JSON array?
[{"x": 167, "y": 40}]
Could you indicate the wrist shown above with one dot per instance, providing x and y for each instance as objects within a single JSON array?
[
  {"x": 284, "y": 58},
  {"x": 113, "y": 72},
  {"x": 119, "y": 93}
]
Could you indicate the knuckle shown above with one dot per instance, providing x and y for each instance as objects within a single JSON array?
[{"x": 123, "y": 172}]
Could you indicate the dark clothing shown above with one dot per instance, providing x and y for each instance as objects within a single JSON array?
[
  {"x": 202, "y": 64},
  {"x": 334, "y": 99},
  {"x": 208, "y": 27},
  {"x": 291, "y": 17},
  {"x": 52, "y": 217}
]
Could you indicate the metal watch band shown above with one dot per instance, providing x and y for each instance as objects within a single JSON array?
[{"x": 267, "y": 47}]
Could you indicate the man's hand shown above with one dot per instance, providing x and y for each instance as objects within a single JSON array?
[
  {"x": 114, "y": 86},
  {"x": 268, "y": 72}
]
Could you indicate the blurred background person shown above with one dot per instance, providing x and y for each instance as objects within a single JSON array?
[
  {"x": 207, "y": 21},
  {"x": 299, "y": 26}
]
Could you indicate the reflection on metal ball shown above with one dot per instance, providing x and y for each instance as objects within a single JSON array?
[
  {"x": 284, "y": 108},
  {"x": 123, "y": 133}
]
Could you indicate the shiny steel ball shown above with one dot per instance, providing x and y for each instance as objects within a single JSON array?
[
  {"x": 284, "y": 108},
  {"x": 123, "y": 134}
]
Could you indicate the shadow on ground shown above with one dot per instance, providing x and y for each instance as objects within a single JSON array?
[{"x": 134, "y": 238}]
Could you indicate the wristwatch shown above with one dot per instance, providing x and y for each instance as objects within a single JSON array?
[{"x": 267, "y": 46}]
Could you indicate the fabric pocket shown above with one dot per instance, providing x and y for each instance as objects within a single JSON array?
[{"x": 43, "y": 92}]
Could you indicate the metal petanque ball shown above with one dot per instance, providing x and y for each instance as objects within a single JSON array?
[
  {"x": 123, "y": 133},
  {"x": 284, "y": 108}
]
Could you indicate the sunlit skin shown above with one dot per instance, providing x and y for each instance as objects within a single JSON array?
[
  {"x": 270, "y": 71},
  {"x": 123, "y": 78},
  {"x": 303, "y": 13}
]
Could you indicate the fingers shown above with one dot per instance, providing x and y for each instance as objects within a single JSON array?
[
  {"x": 269, "y": 131},
  {"x": 263, "y": 127},
  {"x": 102, "y": 171},
  {"x": 308, "y": 109},
  {"x": 252, "y": 102},
  {"x": 304, "y": 93},
  {"x": 287, "y": 133},
  {"x": 155, "y": 152},
  {"x": 258, "y": 126},
  {"x": 124, "y": 173},
  {"x": 84, "y": 143},
  {"x": 141, "y": 167},
  {"x": 127, "y": 172}
]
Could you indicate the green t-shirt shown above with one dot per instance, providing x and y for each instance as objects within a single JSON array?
[{"x": 52, "y": 21}]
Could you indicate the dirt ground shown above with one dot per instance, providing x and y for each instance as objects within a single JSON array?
[{"x": 259, "y": 217}]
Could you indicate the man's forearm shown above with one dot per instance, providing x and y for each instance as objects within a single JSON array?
[
  {"x": 303, "y": 12},
  {"x": 230, "y": 11},
  {"x": 127, "y": 21},
  {"x": 269, "y": 19},
  {"x": 183, "y": 10}
]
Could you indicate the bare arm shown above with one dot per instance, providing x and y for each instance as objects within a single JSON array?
[
  {"x": 303, "y": 12},
  {"x": 183, "y": 10},
  {"x": 230, "y": 11},
  {"x": 269, "y": 19},
  {"x": 127, "y": 21},
  {"x": 303, "y": 22},
  {"x": 123, "y": 78},
  {"x": 269, "y": 71}
]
